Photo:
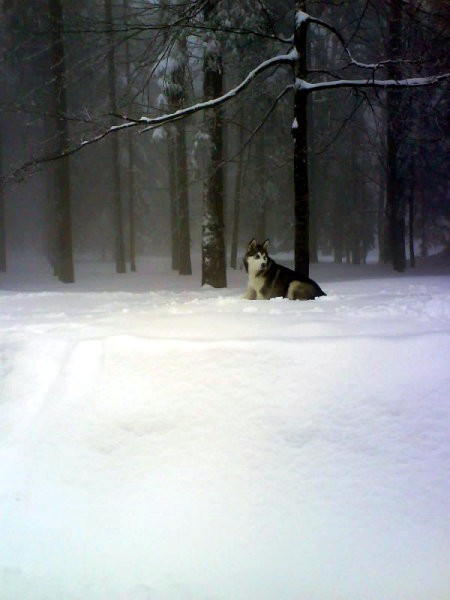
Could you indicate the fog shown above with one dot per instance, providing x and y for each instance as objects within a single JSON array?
[{"x": 67, "y": 77}]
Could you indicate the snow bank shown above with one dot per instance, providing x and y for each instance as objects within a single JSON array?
[{"x": 174, "y": 443}]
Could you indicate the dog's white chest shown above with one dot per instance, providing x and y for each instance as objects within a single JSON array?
[
  {"x": 255, "y": 286},
  {"x": 256, "y": 282}
]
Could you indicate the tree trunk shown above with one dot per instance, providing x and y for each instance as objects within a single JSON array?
[
  {"x": 261, "y": 225},
  {"x": 354, "y": 186},
  {"x": 300, "y": 134},
  {"x": 395, "y": 209},
  {"x": 173, "y": 195},
  {"x": 131, "y": 159},
  {"x": 338, "y": 244},
  {"x": 381, "y": 221},
  {"x": 63, "y": 211},
  {"x": 2, "y": 210},
  {"x": 366, "y": 228},
  {"x": 181, "y": 173},
  {"x": 424, "y": 242},
  {"x": 213, "y": 239},
  {"x": 237, "y": 194},
  {"x": 185, "y": 267},
  {"x": 314, "y": 194},
  {"x": 337, "y": 228},
  {"x": 119, "y": 248},
  {"x": 2, "y": 193},
  {"x": 131, "y": 203},
  {"x": 411, "y": 213},
  {"x": 2, "y": 230},
  {"x": 175, "y": 89},
  {"x": 412, "y": 256},
  {"x": 50, "y": 233}
]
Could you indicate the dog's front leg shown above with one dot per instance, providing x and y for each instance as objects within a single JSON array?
[{"x": 250, "y": 294}]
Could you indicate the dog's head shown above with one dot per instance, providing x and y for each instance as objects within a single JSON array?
[{"x": 256, "y": 258}]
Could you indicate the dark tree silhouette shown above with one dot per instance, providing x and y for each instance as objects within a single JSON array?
[
  {"x": 213, "y": 240},
  {"x": 64, "y": 251}
]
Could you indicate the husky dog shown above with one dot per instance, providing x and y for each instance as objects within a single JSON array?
[{"x": 267, "y": 279}]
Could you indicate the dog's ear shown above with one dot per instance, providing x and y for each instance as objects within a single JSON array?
[
  {"x": 251, "y": 244},
  {"x": 266, "y": 245}
]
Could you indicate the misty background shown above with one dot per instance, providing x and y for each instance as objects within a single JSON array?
[{"x": 72, "y": 69}]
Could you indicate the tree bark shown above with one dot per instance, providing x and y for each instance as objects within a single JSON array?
[
  {"x": 395, "y": 208},
  {"x": 63, "y": 210},
  {"x": 119, "y": 248},
  {"x": 2, "y": 214},
  {"x": 338, "y": 241},
  {"x": 185, "y": 267},
  {"x": 411, "y": 213},
  {"x": 178, "y": 167},
  {"x": 173, "y": 195},
  {"x": 131, "y": 203},
  {"x": 131, "y": 159},
  {"x": 313, "y": 192},
  {"x": 381, "y": 218},
  {"x": 2, "y": 192},
  {"x": 184, "y": 243},
  {"x": 356, "y": 204},
  {"x": 300, "y": 134},
  {"x": 261, "y": 226},
  {"x": 424, "y": 216},
  {"x": 313, "y": 216},
  {"x": 213, "y": 239},
  {"x": 237, "y": 194}
]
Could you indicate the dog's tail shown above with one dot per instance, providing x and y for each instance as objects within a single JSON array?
[{"x": 320, "y": 291}]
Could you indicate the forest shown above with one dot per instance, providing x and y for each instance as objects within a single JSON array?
[
  {"x": 162, "y": 437},
  {"x": 135, "y": 128}
]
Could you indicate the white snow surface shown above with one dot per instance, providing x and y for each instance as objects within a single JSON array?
[{"x": 159, "y": 441}]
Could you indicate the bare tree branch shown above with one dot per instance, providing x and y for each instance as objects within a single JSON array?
[
  {"x": 371, "y": 83},
  {"x": 149, "y": 123},
  {"x": 145, "y": 124},
  {"x": 286, "y": 90},
  {"x": 344, "y": 44}
]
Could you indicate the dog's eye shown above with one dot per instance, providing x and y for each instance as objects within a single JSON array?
[{"x": 257, "y": 255}]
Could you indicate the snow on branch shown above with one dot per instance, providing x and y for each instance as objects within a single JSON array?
[
  {"x": 301, "y": 84},
  {"x": 154, "y": 122},
  {"x": 301, "y": 17}
]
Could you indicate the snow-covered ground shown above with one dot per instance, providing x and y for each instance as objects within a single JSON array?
[{"x": 164, "y": 442}]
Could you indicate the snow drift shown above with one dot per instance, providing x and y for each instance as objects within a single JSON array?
[{"x": 171, "y": 443}]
